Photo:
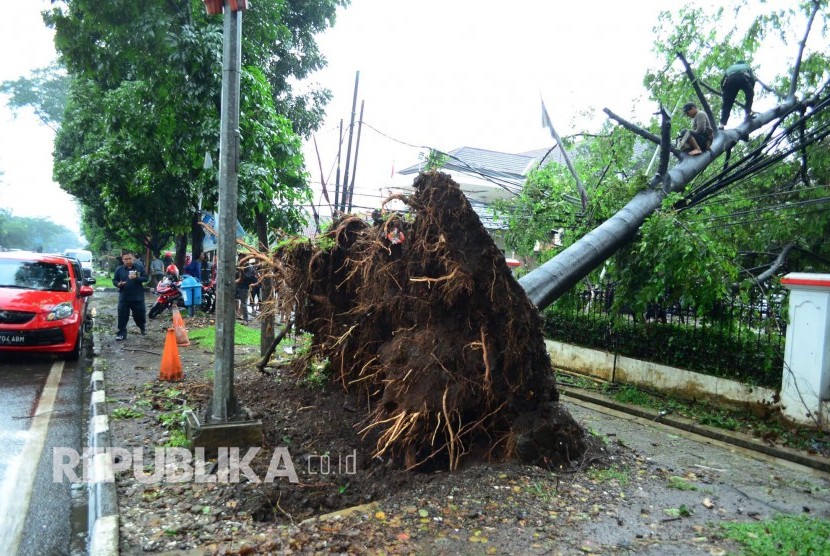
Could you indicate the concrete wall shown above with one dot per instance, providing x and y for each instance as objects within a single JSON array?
[{"x": 681, "y": 383}]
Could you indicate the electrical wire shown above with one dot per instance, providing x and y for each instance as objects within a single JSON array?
[
  {"x": 754, "y": 162},
  {"x": 767, "y": 208},
  {"x": 770, "y": 219}
]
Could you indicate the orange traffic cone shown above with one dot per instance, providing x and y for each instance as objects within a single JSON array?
[
  {"x": 181, "y": 331},
  {"x": 171, "y": 365}
]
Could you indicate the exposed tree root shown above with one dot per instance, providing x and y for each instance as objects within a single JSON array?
[{"x": 434, "y": 333}]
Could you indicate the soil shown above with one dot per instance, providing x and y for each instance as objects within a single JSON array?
[
  {"x": 436, "y": 429},
  {"x": 481, "y": 508},
  {"x": 431, "y": 332}
]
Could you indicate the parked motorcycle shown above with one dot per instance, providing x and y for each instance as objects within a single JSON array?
[
  {"x": 209, "y": 297},
  {"x": 168, "y": 293}
]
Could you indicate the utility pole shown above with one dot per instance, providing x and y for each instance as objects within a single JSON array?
[
  {"x": 356, "y": 149},
  {"x": 225, "y": 422},
  {"x": 344, "y": 199},
  {"x": 224, "y": 405},
  {"x": 336, "y": 208}
]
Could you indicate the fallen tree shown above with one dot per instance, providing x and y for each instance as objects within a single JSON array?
[
  {"x": 790, "y": 117},
  {"x": 433, "y": 336}
]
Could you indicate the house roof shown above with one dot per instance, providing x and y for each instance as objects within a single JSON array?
[
  {"x": 482, "y": 160},
  {"x": 485, "y": 214},
  {"x": 511, "y": 167}
]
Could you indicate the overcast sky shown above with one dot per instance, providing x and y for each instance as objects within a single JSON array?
[
  {"x": 470, "y": 73},
  {"x": 434, "y": 73},
  {"x": 26, "y": 185}
]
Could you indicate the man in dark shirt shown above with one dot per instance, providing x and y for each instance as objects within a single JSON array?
[
  {"x": 130, "y": 278},
  {"x": 738, "y": 77}
]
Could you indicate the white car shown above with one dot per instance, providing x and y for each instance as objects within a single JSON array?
[{"x": 84, "y": 256}]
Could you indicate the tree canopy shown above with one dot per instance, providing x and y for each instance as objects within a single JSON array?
[
  {"x": 34, "y": 234},
  {"x": 143, "y": 112},
  {"x": 753, "y": 207}
]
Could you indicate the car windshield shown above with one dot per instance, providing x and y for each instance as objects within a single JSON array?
[{"x": 34, "y": 275}]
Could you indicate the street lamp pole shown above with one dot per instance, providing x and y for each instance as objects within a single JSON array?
[
  {"x": 226, "y": 423},
  {"x": 224, "y": 405}
]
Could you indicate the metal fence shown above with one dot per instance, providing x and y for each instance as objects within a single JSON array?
[{"x": 740, "y": 338}]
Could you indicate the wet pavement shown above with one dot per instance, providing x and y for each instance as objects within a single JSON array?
[{"x": 725, "y": 482}]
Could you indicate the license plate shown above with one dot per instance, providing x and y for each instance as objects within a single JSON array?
[{"x": 12, "y": 339}]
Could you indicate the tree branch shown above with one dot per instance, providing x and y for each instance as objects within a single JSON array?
[
  {"x": 801, "y": 45},
  {"x": 665, "y": 141},
  {"x": 696, "y": 85},
  {"x": 776, "y": 264},
  {"x": 637, "y": 130},
  {"x": 583, "y": 195}
]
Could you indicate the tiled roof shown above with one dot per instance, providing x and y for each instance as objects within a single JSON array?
[
  {"x": 485, "y": 214},
  {"x": 481, "y": 160}
]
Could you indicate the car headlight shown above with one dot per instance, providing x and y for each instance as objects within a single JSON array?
[{"x": 61, "y": 311}]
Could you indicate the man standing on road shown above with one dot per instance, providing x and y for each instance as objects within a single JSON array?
[{"x": 130, "y": 278}]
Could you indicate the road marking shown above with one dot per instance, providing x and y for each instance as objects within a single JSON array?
[{"x": 16, "y": 490}]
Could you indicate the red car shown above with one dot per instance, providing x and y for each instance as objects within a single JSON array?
[{"x": 43, "y": 301}]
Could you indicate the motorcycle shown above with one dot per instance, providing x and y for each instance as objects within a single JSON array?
[
  {"x": 168, "y": 293},
  {"x": 209, "y": 297}
]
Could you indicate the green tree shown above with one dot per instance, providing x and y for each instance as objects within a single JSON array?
[
  {"x": 144, "y": 110},
  {"x": 45, "y": 91},
  {"x": 696, "y": 226},
  {"x": 33, "y": 234}
]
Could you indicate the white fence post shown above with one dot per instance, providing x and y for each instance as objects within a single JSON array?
[{"x": 805, "y": 385}]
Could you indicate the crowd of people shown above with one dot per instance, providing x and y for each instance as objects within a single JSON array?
[{"x": 130, "y": 278}]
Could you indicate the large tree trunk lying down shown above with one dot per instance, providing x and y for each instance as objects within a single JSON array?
[{"x": 434, "y": 335}]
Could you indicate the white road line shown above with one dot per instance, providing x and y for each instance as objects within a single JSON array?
[{"x": 16, "y": 490}]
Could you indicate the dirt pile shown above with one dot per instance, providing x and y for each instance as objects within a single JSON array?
[{"x": 433, "y": 335}]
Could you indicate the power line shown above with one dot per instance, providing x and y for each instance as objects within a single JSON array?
[
  {"x": 770, "y": 219},
  {"x": 767, "y": 208},
  {"x": 754, "y": 162}
]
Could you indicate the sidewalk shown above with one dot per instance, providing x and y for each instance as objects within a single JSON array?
[{"x": 520, "y": 510}]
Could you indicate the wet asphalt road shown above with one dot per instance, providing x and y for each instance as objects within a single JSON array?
[{"x": 42, "y": 407}]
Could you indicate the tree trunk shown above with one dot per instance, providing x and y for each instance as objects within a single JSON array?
[
  {"x": 181, "y": 251},
  {"x": 198, "y": 235},
  {"x": 547, "y": 283},
  {"x": 267, "y": 332}
]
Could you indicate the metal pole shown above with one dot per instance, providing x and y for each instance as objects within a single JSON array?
[
  {"x": 337, "y": 179},
  {"x": 356, "y": 149},
  {"x": 344, "y": 199},
  {"x": 224, "y": 405}
]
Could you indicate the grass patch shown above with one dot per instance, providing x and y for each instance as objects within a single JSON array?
[
  {"x": 782, "y": 535},
  {"x": 242, "y": 336},
  {"x": 178, "y": 439},
  {"x": 613, "y": 473},
  {"x": 318, "y": 373},
  {"x": 630, "y": 395},
  {"x": 768, "y": 429},
  {"x": 542, "y": 490},
  {"x": 680, "y": 484},
  {"x": 125, "y": 413}
]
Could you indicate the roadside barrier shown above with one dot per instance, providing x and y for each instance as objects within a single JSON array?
[
  {"x": 171, "y": 364},
  {"x": 181, "y": 331}
]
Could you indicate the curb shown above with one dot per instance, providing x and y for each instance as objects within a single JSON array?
[
  {"x": 103, "y": 498},
  {"x": 730, "y": 437}
]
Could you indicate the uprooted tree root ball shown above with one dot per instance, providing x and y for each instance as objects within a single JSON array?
[{"x": 433, "y": 335}]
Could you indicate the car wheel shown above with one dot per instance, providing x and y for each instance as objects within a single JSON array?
[{"x": 75, "y": 354}]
